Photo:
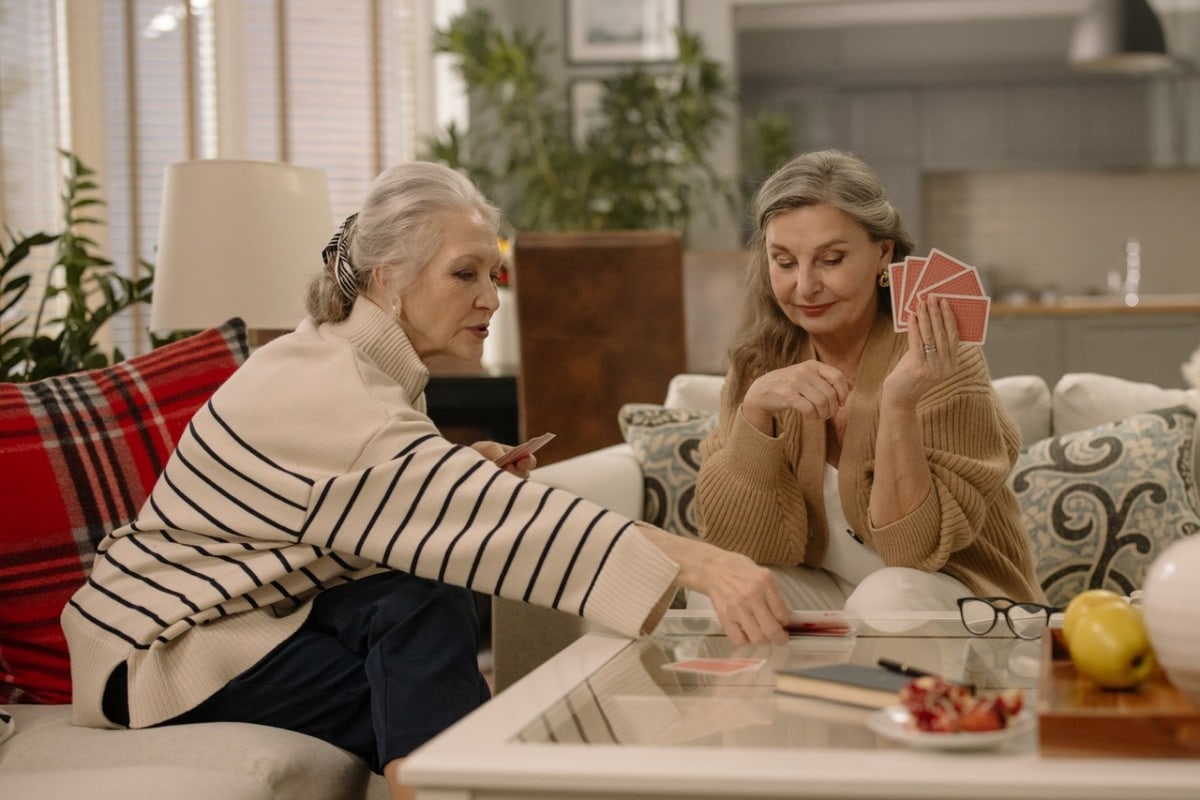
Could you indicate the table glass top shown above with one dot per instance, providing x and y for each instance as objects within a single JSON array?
[{"x": 635, "y": 700}]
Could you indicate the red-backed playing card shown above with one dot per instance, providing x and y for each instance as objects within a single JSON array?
[
  {"x": 715, "y": 666},
  {"x": 964, "y": 283},
  {"x": 896, "y": 282},
  {"x": 971, "y": 315},
  {"x": 912, "y": 270},
  {"x": 938, "y": 267}
]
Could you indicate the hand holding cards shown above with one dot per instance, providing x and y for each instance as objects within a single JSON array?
[
  {"x": 524, "y": 449},
  {"x": 940, "y": 276}
]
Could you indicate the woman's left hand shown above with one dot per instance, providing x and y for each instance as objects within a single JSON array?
[
  {"x": 932, "y": 354},
  {"x": 493, "y": 450}
]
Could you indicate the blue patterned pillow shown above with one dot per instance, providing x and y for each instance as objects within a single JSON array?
[
  {"x": 666, "y": 442},
  {"x": 1100, "y": 504}
]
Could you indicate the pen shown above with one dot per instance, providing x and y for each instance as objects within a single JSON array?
[{"x": 903, "y": 669}]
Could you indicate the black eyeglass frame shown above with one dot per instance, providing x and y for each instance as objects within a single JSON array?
[{"x": 1002, "y": 611}]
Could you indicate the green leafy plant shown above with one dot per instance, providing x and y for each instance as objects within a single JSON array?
[
  {"x": 79, "y": 282},
  {"x": 766, "y": 145},
  {"x": 643, "y": 162}
]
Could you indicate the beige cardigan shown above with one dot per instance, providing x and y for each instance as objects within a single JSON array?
[{"x": 762, "y": 496}]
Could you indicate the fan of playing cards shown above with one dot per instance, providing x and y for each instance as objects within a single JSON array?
[{"x": 942, "y": 276}]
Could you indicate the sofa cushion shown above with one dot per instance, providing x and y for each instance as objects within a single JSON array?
[
  {"x": 242, "y": 759},
  {"x": 696, "y": 391},
  {"x": 1100, "y": 504},
  {"x": 666, "y": 442},
  {"x": 79, "y": 454},
  {"x": 1027, "y": 400}
]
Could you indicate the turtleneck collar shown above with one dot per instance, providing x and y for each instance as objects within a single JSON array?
[{"x": 381, "y": 339}]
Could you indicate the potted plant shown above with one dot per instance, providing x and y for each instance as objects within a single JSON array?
[
  {"x": 643, "y": 162},
  {"x": 63, "y": 342}
]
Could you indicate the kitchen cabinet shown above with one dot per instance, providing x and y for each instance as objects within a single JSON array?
[
  {"x": 1150, "y": 349},
  {"x": 1025, "y": 345},
  {"x": 1138, "y": 345},
  {"x": 1053, "y": 125}
]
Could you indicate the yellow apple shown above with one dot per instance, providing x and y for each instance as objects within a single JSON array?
[
  {"x": 1110, "y": 645},
  {"x": 1079, "y": 606}
]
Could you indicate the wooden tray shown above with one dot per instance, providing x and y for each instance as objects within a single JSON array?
[{"x": 1078, "y": 718}]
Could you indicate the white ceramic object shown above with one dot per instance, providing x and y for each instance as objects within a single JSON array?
[{"x": 1171, "y": 605}]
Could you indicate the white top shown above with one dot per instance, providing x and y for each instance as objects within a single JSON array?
[{"x": 846, "y": 557}]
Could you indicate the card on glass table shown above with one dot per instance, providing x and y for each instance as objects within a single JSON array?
[
  {"x": 715, "y": 666},
  {"x": 817, "y": 623},
  {"x": 524, "y": 449}
]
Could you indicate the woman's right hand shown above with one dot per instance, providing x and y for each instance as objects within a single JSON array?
[
  {"x": 813, "y": 389},
  {"x": 743, "y": 594}
]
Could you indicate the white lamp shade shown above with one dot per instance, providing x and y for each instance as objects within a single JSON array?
[{"x": 238, "y": 239}]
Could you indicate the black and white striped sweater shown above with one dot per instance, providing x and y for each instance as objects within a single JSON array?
[{"x": 312, "y": 466}]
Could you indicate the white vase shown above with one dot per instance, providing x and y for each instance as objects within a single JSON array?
[
  {"x": 1171, "y": 605},
  {"x": 502, "y": 347}
]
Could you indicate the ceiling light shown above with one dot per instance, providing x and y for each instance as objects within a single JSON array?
[{"x": 1120, "y": 36}]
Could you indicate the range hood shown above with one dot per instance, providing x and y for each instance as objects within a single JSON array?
[{"x": 1122, "y": 36}]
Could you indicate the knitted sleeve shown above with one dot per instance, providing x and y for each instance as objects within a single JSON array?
[
  {"x": 747, "y": 496},
  {"x": 970, "y": 444}
]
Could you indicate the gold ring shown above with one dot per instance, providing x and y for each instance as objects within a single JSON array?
[{"x": 929, "y": 348}]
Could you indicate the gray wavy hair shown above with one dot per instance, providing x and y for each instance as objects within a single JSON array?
[
  {"x": 398, "y": 227},
  {"x": 767, "y": 339}
]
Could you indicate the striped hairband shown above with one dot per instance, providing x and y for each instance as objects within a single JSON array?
[{"x": 337, "y": 257}]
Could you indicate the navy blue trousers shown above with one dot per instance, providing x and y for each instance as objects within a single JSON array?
[{"x": 380, "y": 666}]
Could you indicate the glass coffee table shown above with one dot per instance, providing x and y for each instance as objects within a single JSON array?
[{"x": 605, "y": 718}]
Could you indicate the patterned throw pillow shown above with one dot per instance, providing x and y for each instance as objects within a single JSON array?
[
  {"x": 666, "y": 442},
  {"x": 78, "y": 454},
  {"x": 1100, "y": 504}
]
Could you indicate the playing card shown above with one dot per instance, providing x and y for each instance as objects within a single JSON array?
[
  {"x": 964, "y": 283},
  {"x": 716, "y": 666},
  {"x": 971, "y": 314},
  {"x": 524, "y": 449},
  {"x": 938, "y": 267},
  {"x": 896, "y": 282},
  {"x": 817, "y": 623},
  {"x": 912, "y": 270}
]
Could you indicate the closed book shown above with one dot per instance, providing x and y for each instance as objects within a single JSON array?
[{"x": 855, "y": 684}]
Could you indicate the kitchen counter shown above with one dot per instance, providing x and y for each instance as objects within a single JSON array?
[{"x": 1080, "y": 305}]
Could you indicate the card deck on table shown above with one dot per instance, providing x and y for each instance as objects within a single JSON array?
[
  {"x": 716, "y": 666},
  {"x": 524, "y": 449},
  {"x": 817, "y": 623}
]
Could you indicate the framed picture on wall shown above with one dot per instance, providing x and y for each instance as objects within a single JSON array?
[
  {"x": 585, "y": 96},
  {"x": 622, "y": 30}
]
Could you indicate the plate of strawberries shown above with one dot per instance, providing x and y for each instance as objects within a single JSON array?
[{"x": 940, "y": 714}]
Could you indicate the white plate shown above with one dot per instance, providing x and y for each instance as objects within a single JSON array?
[{"x": 892, "y": 723}]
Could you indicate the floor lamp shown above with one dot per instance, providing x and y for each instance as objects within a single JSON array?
[{"x": 238, "y": 239}]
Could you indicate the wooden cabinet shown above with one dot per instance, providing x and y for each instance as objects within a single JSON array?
[{"x": 601, "y": 324}]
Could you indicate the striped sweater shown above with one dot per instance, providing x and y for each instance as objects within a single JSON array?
[
  {"x": 314, "y": 465},
  {"x": 763, "y": 496}
]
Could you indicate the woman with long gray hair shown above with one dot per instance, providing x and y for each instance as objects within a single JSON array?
[{"x": 867, "y": 467}]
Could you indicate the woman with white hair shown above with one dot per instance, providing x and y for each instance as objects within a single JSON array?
[{"x": 307, "y": 557}]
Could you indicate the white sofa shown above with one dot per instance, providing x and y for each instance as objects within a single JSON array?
[{"x": 524, "y": 637}]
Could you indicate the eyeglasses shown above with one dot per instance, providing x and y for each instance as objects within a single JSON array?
[{"x": 1026, "y": 620}]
